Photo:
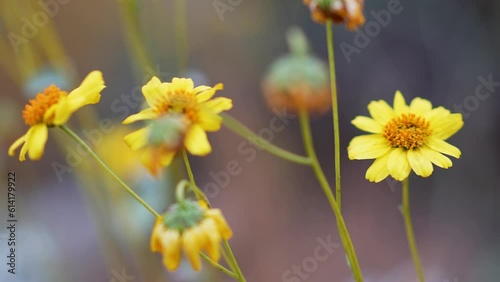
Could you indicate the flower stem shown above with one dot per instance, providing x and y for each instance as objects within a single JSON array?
[
  {"x": 103, "y": 164},
  {"x": 243, "y": 131},
  {"x": 409, "y": 230},
  {"x": 344, "y": 234},
  {"x": 218, "y": 266},
  {"x": 181, "y": 34},
  {"x": 231, "y": 260},
  {"x": 335, "y": 109}
]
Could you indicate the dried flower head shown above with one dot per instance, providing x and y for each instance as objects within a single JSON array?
[{"x": 349, "y": 12}]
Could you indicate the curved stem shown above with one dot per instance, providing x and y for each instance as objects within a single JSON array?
[
  {"x": 105, "y": 166},
  {"x": 243, "y": 131},
  {"x": 335, "y": 109},
  {"x": 409, "y": 230},
  {"x": 344, "y": 234},
  {"x": 218, "y": 266}
]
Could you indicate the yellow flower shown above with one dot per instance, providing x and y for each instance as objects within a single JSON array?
[
  {"x": 51, "y": 108},
  {"x": 405, "y": 138},
  {"x": 180, "y": 98},
  {"x": 189, "y": 228}
]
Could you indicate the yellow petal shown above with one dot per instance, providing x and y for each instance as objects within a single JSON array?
[
  {"x": 155, "y": 242},
  {"x": 154, "y": 91},
  {"x": 218, "y": 105},
  {"x": 367, "y": 124},
  {"x": 400, "y": 106},
  {"x": 209, "y": 121},
  {"x": 167, "y": 157},
  {"x": 222, "y": 226},
  {"x": 435, "y": 115},
  {"x": 436, "y": 157},
  {"x": 398, "y": 164},
  {"x": 381, "y": 112},
  {"x": 172, "y": 244},
  {"x": 378, "y": 171},
  {"x": 420, "y": 106},
  {"x": 25, "y": 148},
  {"x": 148, "y": 113},
  {"x": 367, "y": 147},
  {"x": 192, "y": 240},
  {"x": 204, "y": 93},
  {"x": 443, "y": 147},
  {"x": 87, "y": 93},
  {"x": 445, "y": 127},
  {"x": 138, "y": 138},
  {"x": 16, "y": 144},
  {"x": 37, "y": 140},
  {"x": 196, "y": 141},
  {"x": 419, "y": 163},
  {"x": 182, "y": 84},
  {"x": 213, "y": 242}
]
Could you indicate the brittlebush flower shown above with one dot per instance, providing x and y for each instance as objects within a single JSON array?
[
  {"x": 195, "y": 106},
  {"x": 190, "y": 228},
  {"x": 405, "y": 138},
  {"x": 53, "y": 107},
  {"x": 349, "y": 12}
]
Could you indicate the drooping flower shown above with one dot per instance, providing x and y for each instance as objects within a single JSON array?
[
  {"x": 349, "y": 12},
  {"x": 179, "y": 99},
  {"x": 53, "y": 107},
  {"x": 405, "y": 138},
  {"x": 190, "y": 228}
]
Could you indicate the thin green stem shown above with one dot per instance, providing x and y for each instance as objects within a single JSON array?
[
  {"x": 234, "y": 263},
  {"x": 181, "y": 34},
  {"x": 335, "y": 109},
  {"x": 105, "y": 166},
  {"x": 231, "y": 259},
  {"x": 243, "y": 131},
  {"x": 218, "y": 266},
  {"x": 409, "y": 230},
  {"x": 318, "y": 171}
]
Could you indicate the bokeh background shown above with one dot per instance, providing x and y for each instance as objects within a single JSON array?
[{"x": 77, "y": 225}]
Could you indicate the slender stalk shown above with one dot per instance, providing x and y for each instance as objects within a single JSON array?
[
  {"x": 218, "y": 266},
  {"x": 241, "y": 130},
  {"x": 335, "y": 109},
  {"x": 409, "y": 231},
  {"x": 105, "y": 166},
  {"x": 230, "y": 258},
  {"x": 234, "y": 263},
  {"x": 318, "y": 171},
  {"x": 181, "y": 34}
]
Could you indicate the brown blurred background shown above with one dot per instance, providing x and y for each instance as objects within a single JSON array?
[{"x": 80, "y": 229}]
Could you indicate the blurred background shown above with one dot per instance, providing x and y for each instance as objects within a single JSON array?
[{"x": 75, "y": 224}]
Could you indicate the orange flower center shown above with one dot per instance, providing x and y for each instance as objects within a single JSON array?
[
  {"x": 407, "y": 131},
  {"x": 34, "y": 111},
  {"x": 179, "y": 102}
]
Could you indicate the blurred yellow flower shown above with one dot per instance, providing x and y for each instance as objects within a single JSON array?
[
  {"x": 405, "y": 138},
  {"x": 51, "y": 108},
  {"x": 181, "y": 99},
  {"x": 190, "y": 228}
]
